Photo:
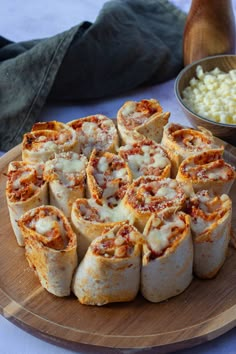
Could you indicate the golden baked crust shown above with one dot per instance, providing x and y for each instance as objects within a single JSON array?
[
  {"x": 207, "y": 170},
  {"x": 167, "y": 260},
  {"x": 66, "y": 177},
  {"x": 210, "y": 225},
  {"x": 50, "y": 247},
  {"x": 95, "y": 132},
  {"x": 139, "y": 120},
  {"x": 151, "y": 194},
  {"x": 108, "y": 177},
  {"x": 90, "y": 219},
  {"x": 112, "y": 213},
  {"x": 46, "y": 139},
  {"x": 115, "y": 259},
  {"x": 25, "y": 189},
  {"x": 182, "y": 142},
  {"x": 146, "y": 157}
]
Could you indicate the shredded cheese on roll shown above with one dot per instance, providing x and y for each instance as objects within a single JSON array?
[
  {"x": 46, "y": 222},
  {"x": 118, "y": 244},
  {"x": 67, "y": 167},
  {"x": 47, "y": 138},
  {"x": 95, "y": 132},
  {"x": 91, "y": 211},
  {"x": 153, "y": 194},
  {"x": 146, "y": 158},
  {"x": 163, "y": 231},
  {"x": 207, "y": 170},
  {"x": 207, "y": 165},
  {"x": 186, "y": 139},
  {"x": 205, "y": 210},
  {"x": 134, "y": 114},
  {"x": 24, "y": 181},
  {"x": 108, "y": 177}
]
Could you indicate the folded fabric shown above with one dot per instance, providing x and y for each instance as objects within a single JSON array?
[{"x": 131, "y": 43}]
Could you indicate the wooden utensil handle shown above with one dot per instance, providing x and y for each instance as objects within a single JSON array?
[{"x": 209, "y": 30}]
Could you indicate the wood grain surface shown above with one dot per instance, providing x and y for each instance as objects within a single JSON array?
[
  {"x": 209, "y": 30},
  {"x": 204, "y": 311}
]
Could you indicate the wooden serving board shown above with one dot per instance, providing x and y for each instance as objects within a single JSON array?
[{"x": 204, "y": 311}]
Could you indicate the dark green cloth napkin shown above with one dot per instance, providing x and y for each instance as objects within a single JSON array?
[{"x": 131, "y": 43}]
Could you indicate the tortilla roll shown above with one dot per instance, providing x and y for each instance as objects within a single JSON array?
[
  {"x": 210, "y": 224},
  {"x": 95, "y": 132},
  {"x": 108, "y": 177},
  {"x": 139, "y": 120},
  {"x": 46, "y": 139},
  {"x": 182, "y": 142},
  {"x": 66, "y": 178},
  {"x": 151, "y": 194},
  {"x": 167, "y": 261},
  {"x": 50, "y": 248},
  {"x": 207, "y": 170},
  {"x": 25, "y": 189},
  {"x": 110, "y": 270},
  {"x": 146, "y": 158},
  {"x": 89, "y": 220}
]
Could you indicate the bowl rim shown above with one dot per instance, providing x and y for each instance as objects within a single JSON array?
[{"x": 180, "y": 100}]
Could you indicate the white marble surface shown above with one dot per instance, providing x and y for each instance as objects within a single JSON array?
[{"x": 22, "y": 20}]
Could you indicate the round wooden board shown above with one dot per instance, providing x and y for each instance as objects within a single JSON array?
[{"x": 204, "y": 311}]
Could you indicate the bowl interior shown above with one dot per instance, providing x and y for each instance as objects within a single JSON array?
[{"x": 223, "y": 62}]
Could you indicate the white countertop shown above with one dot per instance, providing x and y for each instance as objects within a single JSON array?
[{"x": 23, "y": 20}]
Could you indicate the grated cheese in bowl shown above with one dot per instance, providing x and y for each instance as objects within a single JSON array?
[{"x": 212, "y": 94}]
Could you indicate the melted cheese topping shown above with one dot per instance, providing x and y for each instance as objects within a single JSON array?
[
  {"x": 151, "y": 194},
  {"x": 24, "y": 181},
  {"x": 46, "y": 145},
  {"x": 145, "y": 158},
  {"x": 111, "y": 175},
  {"x": 95, "y": 132},
  {"x": 129, "y": 109},
  {"x": 46, "y": 225},
  {"x": 49, "y": 223},
  {"x": 205, "y": 211},
  {"x": 166, "y": 192},
  {"x": 102, "y": 164},
  {"x": 164, "y": 231},
  {"x": 50, "y": 138},
  {"x": 91, "y": 211},
  {"x": 207, "y": 165},
  {"x": 134, "y": 114},
  {"x": 68, "y": 168},
  {"x": 189, "y": 139},
  {"x": 116, "y": 243}
]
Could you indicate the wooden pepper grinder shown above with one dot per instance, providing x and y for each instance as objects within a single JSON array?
[{"x": 209, "y": 30}]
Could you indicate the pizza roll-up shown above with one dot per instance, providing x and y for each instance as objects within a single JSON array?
[
  {"x": 210, "y": 224},
  {"x": 25, "y": 189},
  {"x": 95, "y": 132},
  {"x": 50, "y": 248},
  {"x": 146, "y": 158},
  {"x": 150, "y": 194},
  {"x": 66, "y": 178},
  {"x": 108, "y": 177},
  {"x": 89, "y": 220},
  {"x": 167, "y": 262},
  {"x": 182, "y": 142},
  {"x": 110, "y": 270},
  {"x": 207, "y": 170},
  {"x": 46, "y": 139},
  {"x": 137, "y": 120}
]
